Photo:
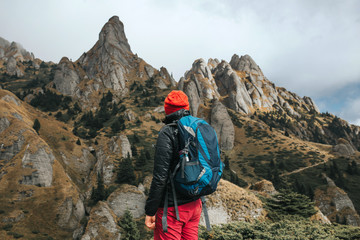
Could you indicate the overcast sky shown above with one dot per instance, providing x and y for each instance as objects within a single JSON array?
[{"x": 310, "y": 47}]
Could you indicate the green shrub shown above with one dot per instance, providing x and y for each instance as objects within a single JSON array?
[
  {"x": 287, "y": 203},
  {"x": 287, "y": 229}
]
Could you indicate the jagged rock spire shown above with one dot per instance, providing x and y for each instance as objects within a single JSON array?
[{"x": 111, "y": 55}]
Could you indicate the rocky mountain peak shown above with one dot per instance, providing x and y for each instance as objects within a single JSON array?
[
  {"x": 113, "y": 35},
  {"x": 111, "y": 58}
]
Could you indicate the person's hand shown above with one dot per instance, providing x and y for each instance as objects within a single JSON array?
[{"x": 150, "y": 222}]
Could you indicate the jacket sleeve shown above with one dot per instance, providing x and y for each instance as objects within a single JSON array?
[{"x": 162, "y": 162}]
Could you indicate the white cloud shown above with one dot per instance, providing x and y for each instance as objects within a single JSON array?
[{"x": 351, "y": 111}]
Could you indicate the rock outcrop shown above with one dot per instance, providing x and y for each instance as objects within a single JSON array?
[
  {"x": 336, "y": 205},
  {"x": 12, "y": 69},
  {"x": 232, "y": 203},
  {"x": 221, "y": 122},
  {"x": 130, "y": 198},
  {"x": 70, "y": 213},
  {"x": 240, "y": 85},
  {"x": 13, "y": 54},
  {"x": 66, "y": 77},
  {"x": 102, "y": 224},
  {"x": 109, "y": 64},
  {"x": 264, "y": 187},
  {"x": 343, "y": 148},
  {"x": 15, "y": 50},
  {"x": 41, "y": 162}
]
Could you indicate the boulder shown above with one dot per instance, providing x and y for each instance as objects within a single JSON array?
[
  {"x": 102, "y": 224},
  {"x": 127, "y": 197},
  {"x": 221, "y": 122}
]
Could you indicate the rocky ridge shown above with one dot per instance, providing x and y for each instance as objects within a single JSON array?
[
  {"x": 109, "y": 64},
  {"x": 241, "y": 86}
]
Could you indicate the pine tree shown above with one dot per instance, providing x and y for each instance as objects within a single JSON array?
[
  {"x": 226, "y": 163},
  {"x": 125, "y": 172},
  {"x": 78, "y": 142},
  {"x": 134, "y": 150},
  {"x": 129, "y": 226},
  {"x": 354, "y": 167},
  {"x": 98, "y": 193},
  {"x": 141, "y": 160},
  {"x": 36, "y": 125}
]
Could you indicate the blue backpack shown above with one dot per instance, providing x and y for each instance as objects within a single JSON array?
[{"x": 200, "y": 168}]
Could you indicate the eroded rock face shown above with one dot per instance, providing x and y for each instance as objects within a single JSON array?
[
  {"x": 102, "y": 224},
  {"x": 70, "y": 214},
  {"x": 81, "y": 165},
  {"x": 221, "y": 122},
  {"x": 66, "y": 77},
  {"x": 165, "y": 75},
  {"x": 232, "y": 203},
  {"x": 11, "y": 99},
  {"x": 191, "y": 90},
  {"x": 9, "y": 151},
  {"x": 130, "y": 198},
  {"x": 4, "y": 124},
  {"x": 41, "y": 162},
  {"x": 336, "y": 205},
  {"x": 311, "y": 103},
  {"x": 231, "y": 87}
]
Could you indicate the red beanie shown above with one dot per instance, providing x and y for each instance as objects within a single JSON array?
[{"x": 175, "y": 101}]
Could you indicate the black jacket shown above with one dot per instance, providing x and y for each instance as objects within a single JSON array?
[{"x": 166, "y": 158}]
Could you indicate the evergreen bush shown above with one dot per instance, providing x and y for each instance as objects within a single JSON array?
[{"x": 127, "y": 223}]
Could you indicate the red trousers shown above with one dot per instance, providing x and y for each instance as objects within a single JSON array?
[{"x": 186, "y": 228}]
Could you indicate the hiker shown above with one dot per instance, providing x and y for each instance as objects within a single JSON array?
[{"x": 166, "y": 158}]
